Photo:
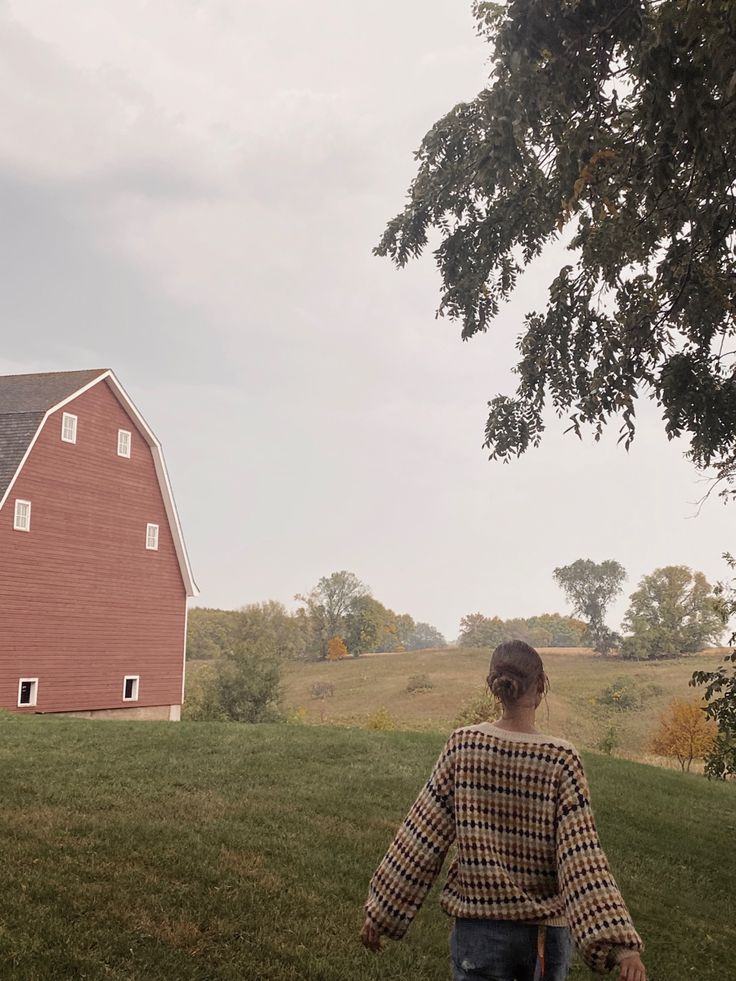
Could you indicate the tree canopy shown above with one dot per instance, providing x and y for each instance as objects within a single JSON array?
[
  {"x": 674, "y": 611},
  {"x": 609, "y": 125},
  {"x": 590, "y": 587},
  {"x": 546, "y": 630}
]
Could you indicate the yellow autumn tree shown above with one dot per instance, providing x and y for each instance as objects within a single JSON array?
[
  {"x": 336, "y": 649},
  {"x": 684, "y": 733}
]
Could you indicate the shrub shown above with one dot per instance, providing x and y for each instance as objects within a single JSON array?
[
  {"x": 480, "y": 707},
  {"x": 336, "y": 649},
  {"x": 244, "y": 687},
  {"x": 380, "y": 721},
  {"x": 622, "y": 695},
  {"x": 419, "y": 682},
  {"x": 322, "y": 689}
]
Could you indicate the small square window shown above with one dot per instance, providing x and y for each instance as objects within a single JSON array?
[
  {"x": 27, "y": 691},
  {"x": 123, "y": 443},
  {"x": 22, "y": 516},
  {"x": 130, "y": 688},
  {"x": 152, "y": 537},
  {"x": 69, "y": 428}
]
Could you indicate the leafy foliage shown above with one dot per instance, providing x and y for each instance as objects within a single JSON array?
[
  {"x": 245, "y": 686},
  {"x": 210, "y": 633},
  {"x": 266, "y": 626},
  {"x": 380, "y": 721},
  {"x": 424, "y": 637},
  {"x": 673, "y": 611},
  {"x": 547, "y": 630},
  {"x": 623, "y": 694},
  {"x": 482, "y": 706},
  {"x": 720, "y": 690},
  {"x": 328, "y": 605},
  {"x": 336, "y": 649},
  {"x": 613, "y": 122},
  {"x": 590, "y": 587},
  {"x": 419, "y": 683},
  {"x": 685, "y": 733}
]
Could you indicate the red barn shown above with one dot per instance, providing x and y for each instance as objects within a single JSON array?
[{"x": 94, "y": 574}]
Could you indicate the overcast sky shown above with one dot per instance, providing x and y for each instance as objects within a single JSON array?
[{"x": 189, "y": 194}]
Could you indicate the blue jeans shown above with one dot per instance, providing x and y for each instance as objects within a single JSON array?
[{"x": 506, "y": 950}]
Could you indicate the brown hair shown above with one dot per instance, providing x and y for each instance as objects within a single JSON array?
[{"x": 515, "y": 668}]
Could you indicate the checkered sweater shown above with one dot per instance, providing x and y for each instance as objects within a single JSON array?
[{"x": 518, "y": 807}]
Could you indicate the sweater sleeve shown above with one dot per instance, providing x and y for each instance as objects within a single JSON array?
[
  {"x": 599, "y": 921},
  {"x": 401, "y": 882}
]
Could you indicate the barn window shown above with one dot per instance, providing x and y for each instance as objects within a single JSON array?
[
  {"x": 27, "y": 691},
  {"x": 123, "y": 443},
  {"x": 152, "y": 537},
  {"x": 22, "y": 517},
  {"x": 130, "y": 687},
  {"x": 69, "y": 428}
]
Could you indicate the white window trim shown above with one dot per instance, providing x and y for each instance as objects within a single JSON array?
[
  {"x": 17, "y": 526},
  {"x": 69, "y": 417},
  {"x": 125, "y": 432},
  {"x": 151, "y": 548},
  {"x": 135, "y": 678},
  {"x": 34, "y": 692}
]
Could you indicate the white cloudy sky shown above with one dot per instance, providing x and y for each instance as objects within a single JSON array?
[{"x": 189, "y": 194}]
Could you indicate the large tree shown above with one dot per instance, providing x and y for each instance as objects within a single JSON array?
[
  {"x": 329, "y": 604},
  {"x": 609, "y": 125},
  {"x": 674, "y": 611},
  {"x": 590, "y": 587}
]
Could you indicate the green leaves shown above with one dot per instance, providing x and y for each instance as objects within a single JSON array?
[{"x": 617, "y": 118}]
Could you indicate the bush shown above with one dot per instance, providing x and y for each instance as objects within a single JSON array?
[
  {"x": 322, "y": 689},
  {"x": 245, "y": 687},
  {"x": 622, "y": 695},
  {"x": 336, "y": 649},
  {"x": 480, "y": 707},
  {"x": 419, "y": 682},
  {"x": 380, "y": 721}
]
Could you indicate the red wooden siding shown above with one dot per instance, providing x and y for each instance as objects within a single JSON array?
[{"x": 82, "y": 601}]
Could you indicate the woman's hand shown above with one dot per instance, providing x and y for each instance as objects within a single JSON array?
[
  {"x": 370, "y": 937},
  {"x": 632, "y": 969}
]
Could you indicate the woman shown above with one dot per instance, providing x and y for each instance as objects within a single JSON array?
[{"x": 530, "y": 876}]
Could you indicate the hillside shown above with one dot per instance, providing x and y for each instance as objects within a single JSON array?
[
  {"x": 364, "y": 685},
  {"x": 222, "y": 851}
]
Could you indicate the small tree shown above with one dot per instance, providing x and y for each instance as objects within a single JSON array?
[
  {"x": 684, "y": 733},
  {"x": 590, "y": 587},
  {"x": 336, "y": 649}
]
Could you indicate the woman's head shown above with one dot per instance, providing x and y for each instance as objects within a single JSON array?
[{"x": 517, "y": 670}]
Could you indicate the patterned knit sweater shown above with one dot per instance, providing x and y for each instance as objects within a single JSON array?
[{"x": 518, "y": 807}]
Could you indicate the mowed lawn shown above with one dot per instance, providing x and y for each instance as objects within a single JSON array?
[
  {"x": 364, "y": 685},
  {"x": 133, "y": 850}
]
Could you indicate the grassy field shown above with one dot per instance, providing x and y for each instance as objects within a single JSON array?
[
  {"x": 364, "y": 685},
  {"x": 146, "y": 851}
]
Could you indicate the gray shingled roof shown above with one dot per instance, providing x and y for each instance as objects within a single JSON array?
[{"x": 24, "y": 400}]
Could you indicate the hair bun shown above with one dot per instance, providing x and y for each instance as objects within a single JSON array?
[{"x": 506, "y": 688}]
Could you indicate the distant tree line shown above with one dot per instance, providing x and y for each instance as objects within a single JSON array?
[
  {"x": 674, "y": 611},
  {"x": 547, "y": 630},
  {"x": 339, "y": 606}
]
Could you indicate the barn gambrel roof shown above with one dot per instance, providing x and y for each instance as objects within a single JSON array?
[{"x": 25, "y": 403}]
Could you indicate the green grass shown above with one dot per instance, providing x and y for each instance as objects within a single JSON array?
[
  {"x": 223, "y": 851},
  {"x": 365, "y": 685}
]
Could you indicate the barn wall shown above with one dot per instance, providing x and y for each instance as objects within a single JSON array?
[{"x": 82, "y": 601}]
